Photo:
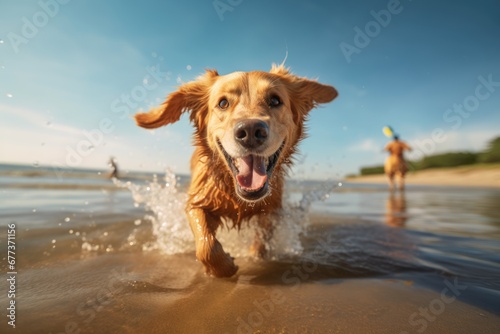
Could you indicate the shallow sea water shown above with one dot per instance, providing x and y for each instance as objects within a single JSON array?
[{"x": 100, "y": 256}]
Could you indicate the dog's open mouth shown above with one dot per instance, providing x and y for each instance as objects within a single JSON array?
[{"x": 252, "y": 173}]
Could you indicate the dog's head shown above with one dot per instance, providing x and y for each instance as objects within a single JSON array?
[{"x": 250, "y": 120}]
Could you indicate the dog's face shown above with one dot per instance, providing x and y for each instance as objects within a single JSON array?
[
  {"x": 250, "y": 124},
  {"x": 251, "y": 120}
]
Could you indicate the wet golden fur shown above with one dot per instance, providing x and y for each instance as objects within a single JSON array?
[{"x": 213, "y": 191}]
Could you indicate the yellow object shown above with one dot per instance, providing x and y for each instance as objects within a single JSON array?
[{"x": 387, "y": 130}]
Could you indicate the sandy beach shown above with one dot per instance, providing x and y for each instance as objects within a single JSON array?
[
  {"x": 473, "y": 176},
  {"x": 96, "y": 256}
]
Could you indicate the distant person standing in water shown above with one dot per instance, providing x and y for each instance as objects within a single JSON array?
[
  {"x": 114, "y": 168},
  {"x": 395, "y": 163}
]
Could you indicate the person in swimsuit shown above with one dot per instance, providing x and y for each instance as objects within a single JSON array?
[{"x": 395, "y": 165}]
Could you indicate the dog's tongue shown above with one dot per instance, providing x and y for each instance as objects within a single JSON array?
[{"x": 252, "y": 172}]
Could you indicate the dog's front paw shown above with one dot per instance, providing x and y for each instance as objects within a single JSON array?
[
  {"x": 224, "y": 267},
  {"x": 217, "y": 262}
]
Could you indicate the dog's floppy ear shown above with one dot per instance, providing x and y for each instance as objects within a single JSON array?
[
  {"x": 305, "y": 94},
  {"x": 191, "y": 96}
]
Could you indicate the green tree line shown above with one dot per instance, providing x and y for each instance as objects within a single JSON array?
[{"x": 452, "y": 159}]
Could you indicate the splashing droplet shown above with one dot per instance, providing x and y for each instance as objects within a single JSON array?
[
  {"x": 67, "y": 219},
  {"x": 1, "y": 41},
  {"x": 189, "y": 67},
  {"x": 36, "y": 164},
  {"x": 8, "y": 95}
]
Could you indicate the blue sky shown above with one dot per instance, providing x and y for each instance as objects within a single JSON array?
[{"x": 72, "y": 74}]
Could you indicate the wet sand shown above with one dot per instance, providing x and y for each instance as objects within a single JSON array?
[
  {"x": 73, "y": 289},
  {"x": 157, "y": 294},
  {"x": 484, "y": 176}
]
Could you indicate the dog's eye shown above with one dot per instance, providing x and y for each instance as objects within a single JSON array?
[
  {"x": 223, "y": 103},
  {"x": 274, "y": 101}
]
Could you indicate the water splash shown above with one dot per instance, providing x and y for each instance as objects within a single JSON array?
[{"x": 165, "y": 203}]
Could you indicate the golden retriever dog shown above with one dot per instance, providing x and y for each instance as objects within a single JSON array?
[
  {"x": 395, "y": 165},
  {"x": 247, "y": 127}
]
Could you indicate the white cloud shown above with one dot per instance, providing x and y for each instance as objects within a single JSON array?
[
  {"x": 366, "y": 145},
  {"x": 451, "y": 141},
  {"x": 25, "y": 137},
  {"x": 21, "y": 117}
]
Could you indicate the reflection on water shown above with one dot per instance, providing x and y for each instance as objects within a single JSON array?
[{"x": 395, "y": 207}]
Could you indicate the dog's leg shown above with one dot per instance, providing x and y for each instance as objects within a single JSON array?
[
  {"x": 263, "y": 234},
  {"x": 209, "y": 251}
]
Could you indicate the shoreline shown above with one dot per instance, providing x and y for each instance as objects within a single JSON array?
[{"x": 463, "y": 176}]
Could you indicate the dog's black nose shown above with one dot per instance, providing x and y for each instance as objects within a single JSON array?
[{"x": 251, "y": 133}]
